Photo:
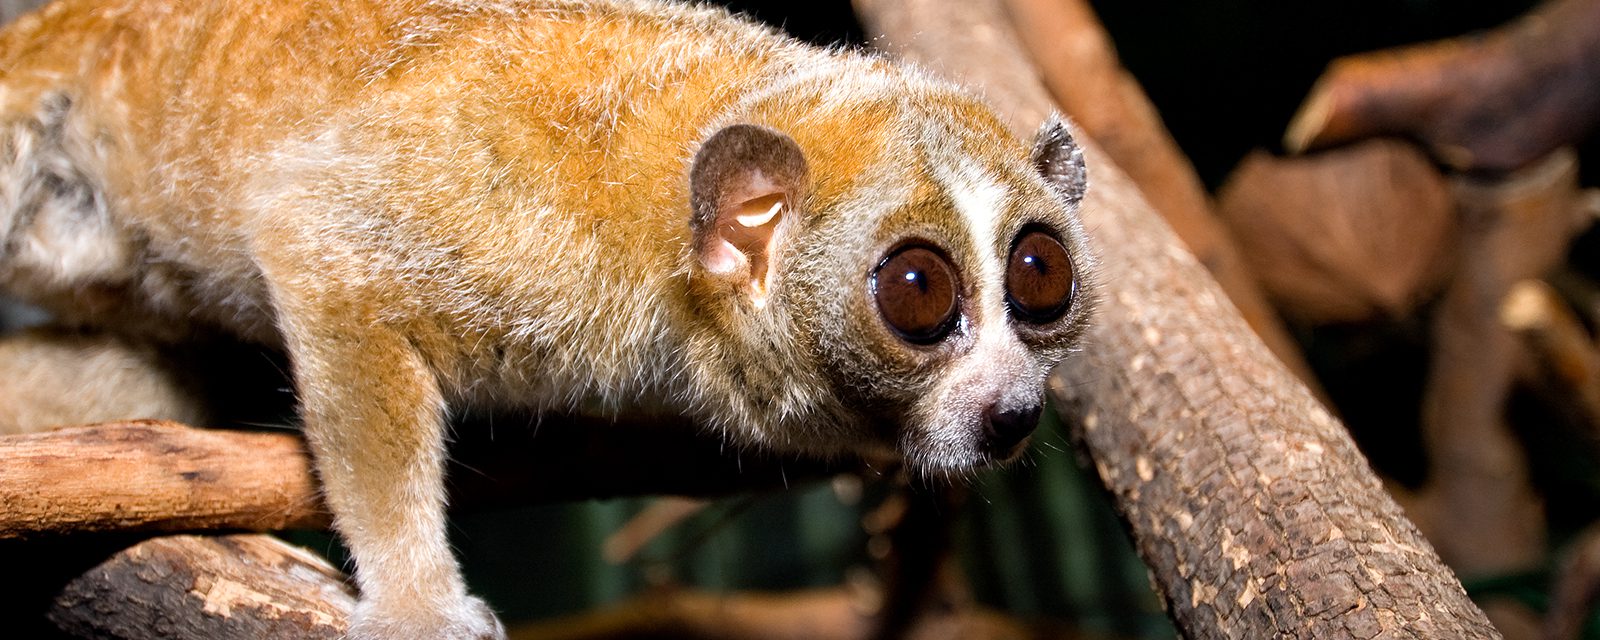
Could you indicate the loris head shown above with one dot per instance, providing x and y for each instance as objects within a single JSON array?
[{"x": 909, "y": 290}]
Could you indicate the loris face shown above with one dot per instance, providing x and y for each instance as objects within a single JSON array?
[{"x": 963, "y": 282}]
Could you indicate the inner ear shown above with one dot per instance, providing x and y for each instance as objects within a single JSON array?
[
  {"x": 1059, "y": 159},
  {"x": 745, "y": 180}
]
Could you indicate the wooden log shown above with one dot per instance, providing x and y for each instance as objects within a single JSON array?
[
  {"x": 1489, "y": 102},
  {"x": 207, "y": 588},
  {"x": 1080, "y": 68},
  {"x": 1562, "y": 368},
  {"x": 1256, "y": 513},
  {"x": 823, "y": 614},
  {"x": 161, "y": 476},
  {"x": 1345, "y": 235}
]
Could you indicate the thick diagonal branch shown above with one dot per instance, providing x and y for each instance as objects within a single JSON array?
[{"x": 1256, "y": 513}]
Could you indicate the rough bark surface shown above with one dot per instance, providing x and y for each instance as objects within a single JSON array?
[
  {"x": 154, "y": 476},
  {"x": 1254, "y": 510},
  {"x": 207, "y": 588}
]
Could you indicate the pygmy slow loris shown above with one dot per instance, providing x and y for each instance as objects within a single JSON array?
[{"x": 550, "y": 204}]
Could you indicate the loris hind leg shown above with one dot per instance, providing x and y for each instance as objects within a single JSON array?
[{"x": 52, "y": 377}]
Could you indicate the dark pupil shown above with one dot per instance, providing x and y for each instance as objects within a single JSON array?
[
  {"x": 1039, "y": 278},
  {"x": 915, "y": 289}
]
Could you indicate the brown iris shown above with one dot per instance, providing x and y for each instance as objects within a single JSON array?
[
  {"x": 1039, "y": 278},
  {"x": 915, "y": 288}
]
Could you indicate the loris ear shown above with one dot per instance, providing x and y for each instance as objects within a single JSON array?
[
  {"x": 745, "y": 181},
  {"x": 1060, "y": 160}
]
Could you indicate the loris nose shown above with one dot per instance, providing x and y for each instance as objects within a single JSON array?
[{"x": 1005, "y": 429}]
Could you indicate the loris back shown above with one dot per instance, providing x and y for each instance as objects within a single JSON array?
[{"x": 498, "y": 162}]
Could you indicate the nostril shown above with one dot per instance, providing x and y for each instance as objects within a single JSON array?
[{"x": 1008, "y": 428}]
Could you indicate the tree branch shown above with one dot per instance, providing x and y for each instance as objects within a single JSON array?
[
  {"x": 169, "y": 477},
  {"x": 154, "y": 476},
  {"x": 1256, "y": 513}
]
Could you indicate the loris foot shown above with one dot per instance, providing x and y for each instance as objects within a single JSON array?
[{"x": 468, "y": 619}]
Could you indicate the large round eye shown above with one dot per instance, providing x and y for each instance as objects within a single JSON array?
[
  {"x": 915, "y": 288},
  {"x": 1039, "y": 278}
]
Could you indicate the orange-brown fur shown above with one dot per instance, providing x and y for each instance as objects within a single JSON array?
[{"x": 430, "y": 203}]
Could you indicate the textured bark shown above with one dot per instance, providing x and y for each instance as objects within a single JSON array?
[
  {"x": 207, "y": 588},
  {"x": 1254, "y": 510},
  {"x": 1080, "y": 68},
  {"x": 154, "y": 476},
  {"x": 1493, "y": 102},
  {"x": 158, "y": 476},
  {"x": 1345, "y": 235}
]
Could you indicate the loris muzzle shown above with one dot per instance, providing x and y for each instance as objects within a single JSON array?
[{"x": 593, "y": 205}]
